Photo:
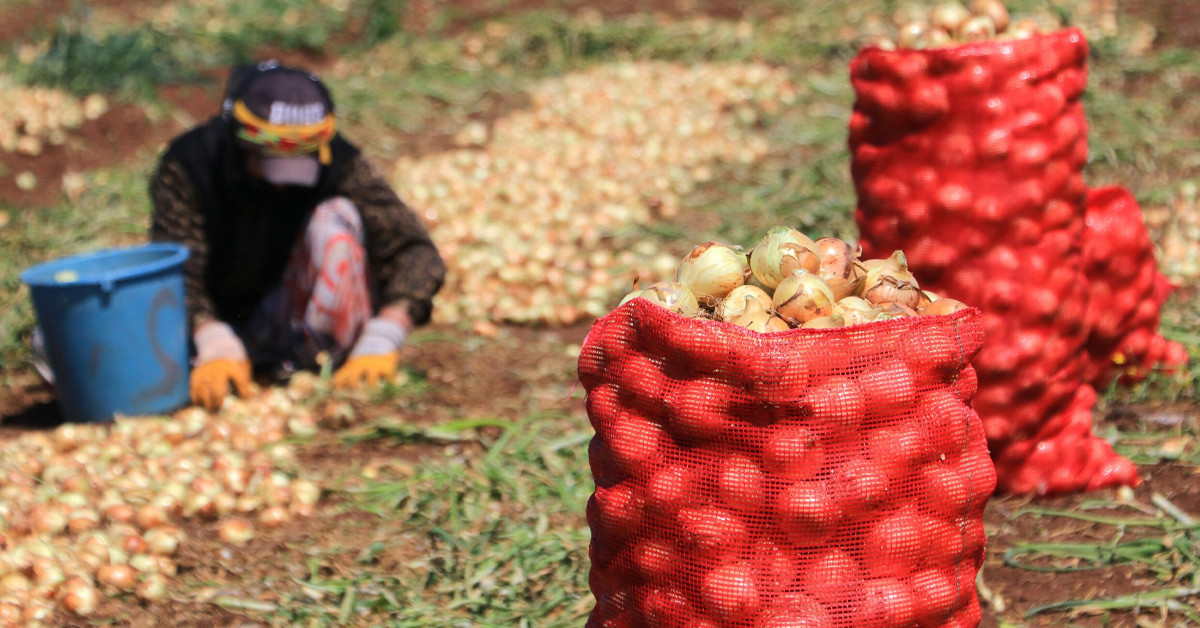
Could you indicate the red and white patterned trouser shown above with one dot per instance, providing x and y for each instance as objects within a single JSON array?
[{"x": 324, "y": 299}]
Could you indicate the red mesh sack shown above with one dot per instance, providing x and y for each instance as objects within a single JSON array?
[
  {"x": 1127, "y": 292},
  {"x": 824, "y": 477},
  {"x": 969, "y": 159}
]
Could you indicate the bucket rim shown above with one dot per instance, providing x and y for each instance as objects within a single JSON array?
[{"x": 41, "y": 275}]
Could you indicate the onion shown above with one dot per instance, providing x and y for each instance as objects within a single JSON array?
[
  {"x": 933, "y": 38},
  {"x": 711, "y": 530},
  {"x": 730, "y": 592},
  {"x": 15, "y": 583},
  {"x": 711, "y": 270},
  {"x": 134, "y": 544},
  {"x": 836, "y": 256},
  {"x": 840, "y": 267},
  {"x": 776, "y": 324},
  {"x": 803, "y": 296},
  {"x": 891, "y": 281},
  {"x": 236, "y": 531},
  {"x": 629, "y": 296},
  {"x": 944, "y": 305},
  {"x": 856, "y": 310},
  {"x": 120, "y": 513},
  {"x": 47, "y": 572},
  {"x": 164, "y": 539},
  {"x": 780, "y": 252},
  {"x": 81, "y": 523},
  {"x": 655, "y": 558},
  {"x": 1025, "y": 28},
  {"x": 163, "y": 565},
  {"x": 754, "y": 318},
  {"x": 80, "y": 599},
  {"x": 949, "y": 15},
  {"x": 670, "y": 489},
  {"x": 150, "y": 516},
  {"x": 673, "y": 296},
  {"x": 897, "y": 310},
  {"x": 824, "y": 322},
  {"x": 807, "y": 512},
  {"x": 121, "y": 577},
  {"x": 273, "y": 516},
  {"x": 38, "y": 610},
  {"x": 910, "y": 34},
  {"x": 794, "y": 453},
  {"x": 47, "y": 520},
  {"x": 303, "y": 425},
  {"x": 734, "y": 304},
  {"x": 740, "y": 483},
  {"x": 10, "y": 614},
  {"x": 978, "y": 28},
  {"x": 153, "y": 587},
  {"x": 994, "y": 10},
  {"x": 306, "y": 492}
]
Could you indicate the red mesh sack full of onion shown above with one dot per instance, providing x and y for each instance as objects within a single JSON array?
[
  {"x": 970, "y": 158},
  {"x": 1127, "y": 292},
  {"x": 817, "y": 477}
]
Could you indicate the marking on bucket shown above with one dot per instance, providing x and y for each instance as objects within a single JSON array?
[
  {"x": 172, "y": 372},
  {"x": 95, "y": 360}
]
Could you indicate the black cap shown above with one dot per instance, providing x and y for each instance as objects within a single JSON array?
[{"x": 287, "y": 96}]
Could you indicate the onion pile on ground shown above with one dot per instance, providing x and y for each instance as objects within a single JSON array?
[
  {"x": 535, "y": 225},
  {"x": 88, "y": 510},
  {"x": 789, "y": 280},
  {"x": 31, "y": 117}
]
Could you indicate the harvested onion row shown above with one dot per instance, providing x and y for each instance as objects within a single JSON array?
[
  {"x": 788, "y": 280},
  {"x": 643, "y": 135},
  {"x": 90, "y": 510}
]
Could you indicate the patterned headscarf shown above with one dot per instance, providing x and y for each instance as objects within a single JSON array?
[{"x": 282, "y": 139}]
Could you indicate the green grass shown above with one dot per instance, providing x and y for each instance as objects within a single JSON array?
[
  {"x": 504, "y": 532},
  {"x": 132, "y": 63},
  {"x": 1156, "y": 540}
]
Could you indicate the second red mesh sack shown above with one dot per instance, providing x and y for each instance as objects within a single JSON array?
[
  {"x": 1127, "y": 292},
  {"x": 970, "y": 159},
  {"x": 816, "y": 477}
]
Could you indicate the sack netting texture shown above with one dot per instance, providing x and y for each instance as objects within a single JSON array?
[
  {"x": 970, "y": 160},
  {"x": 816, "y": 477}
]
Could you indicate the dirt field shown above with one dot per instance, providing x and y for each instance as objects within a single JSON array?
[{"x": 498, "y": 376}]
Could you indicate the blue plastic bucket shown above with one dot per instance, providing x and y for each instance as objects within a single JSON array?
[{"x": 115, "y": 330}]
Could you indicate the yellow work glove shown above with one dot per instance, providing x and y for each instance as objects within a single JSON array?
[
  {"x": 369, "y": 368},
  {"x": 211, "y": 381},
  {"x": 221, "y": 360},
  {"x": 375, "y": 356}
]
